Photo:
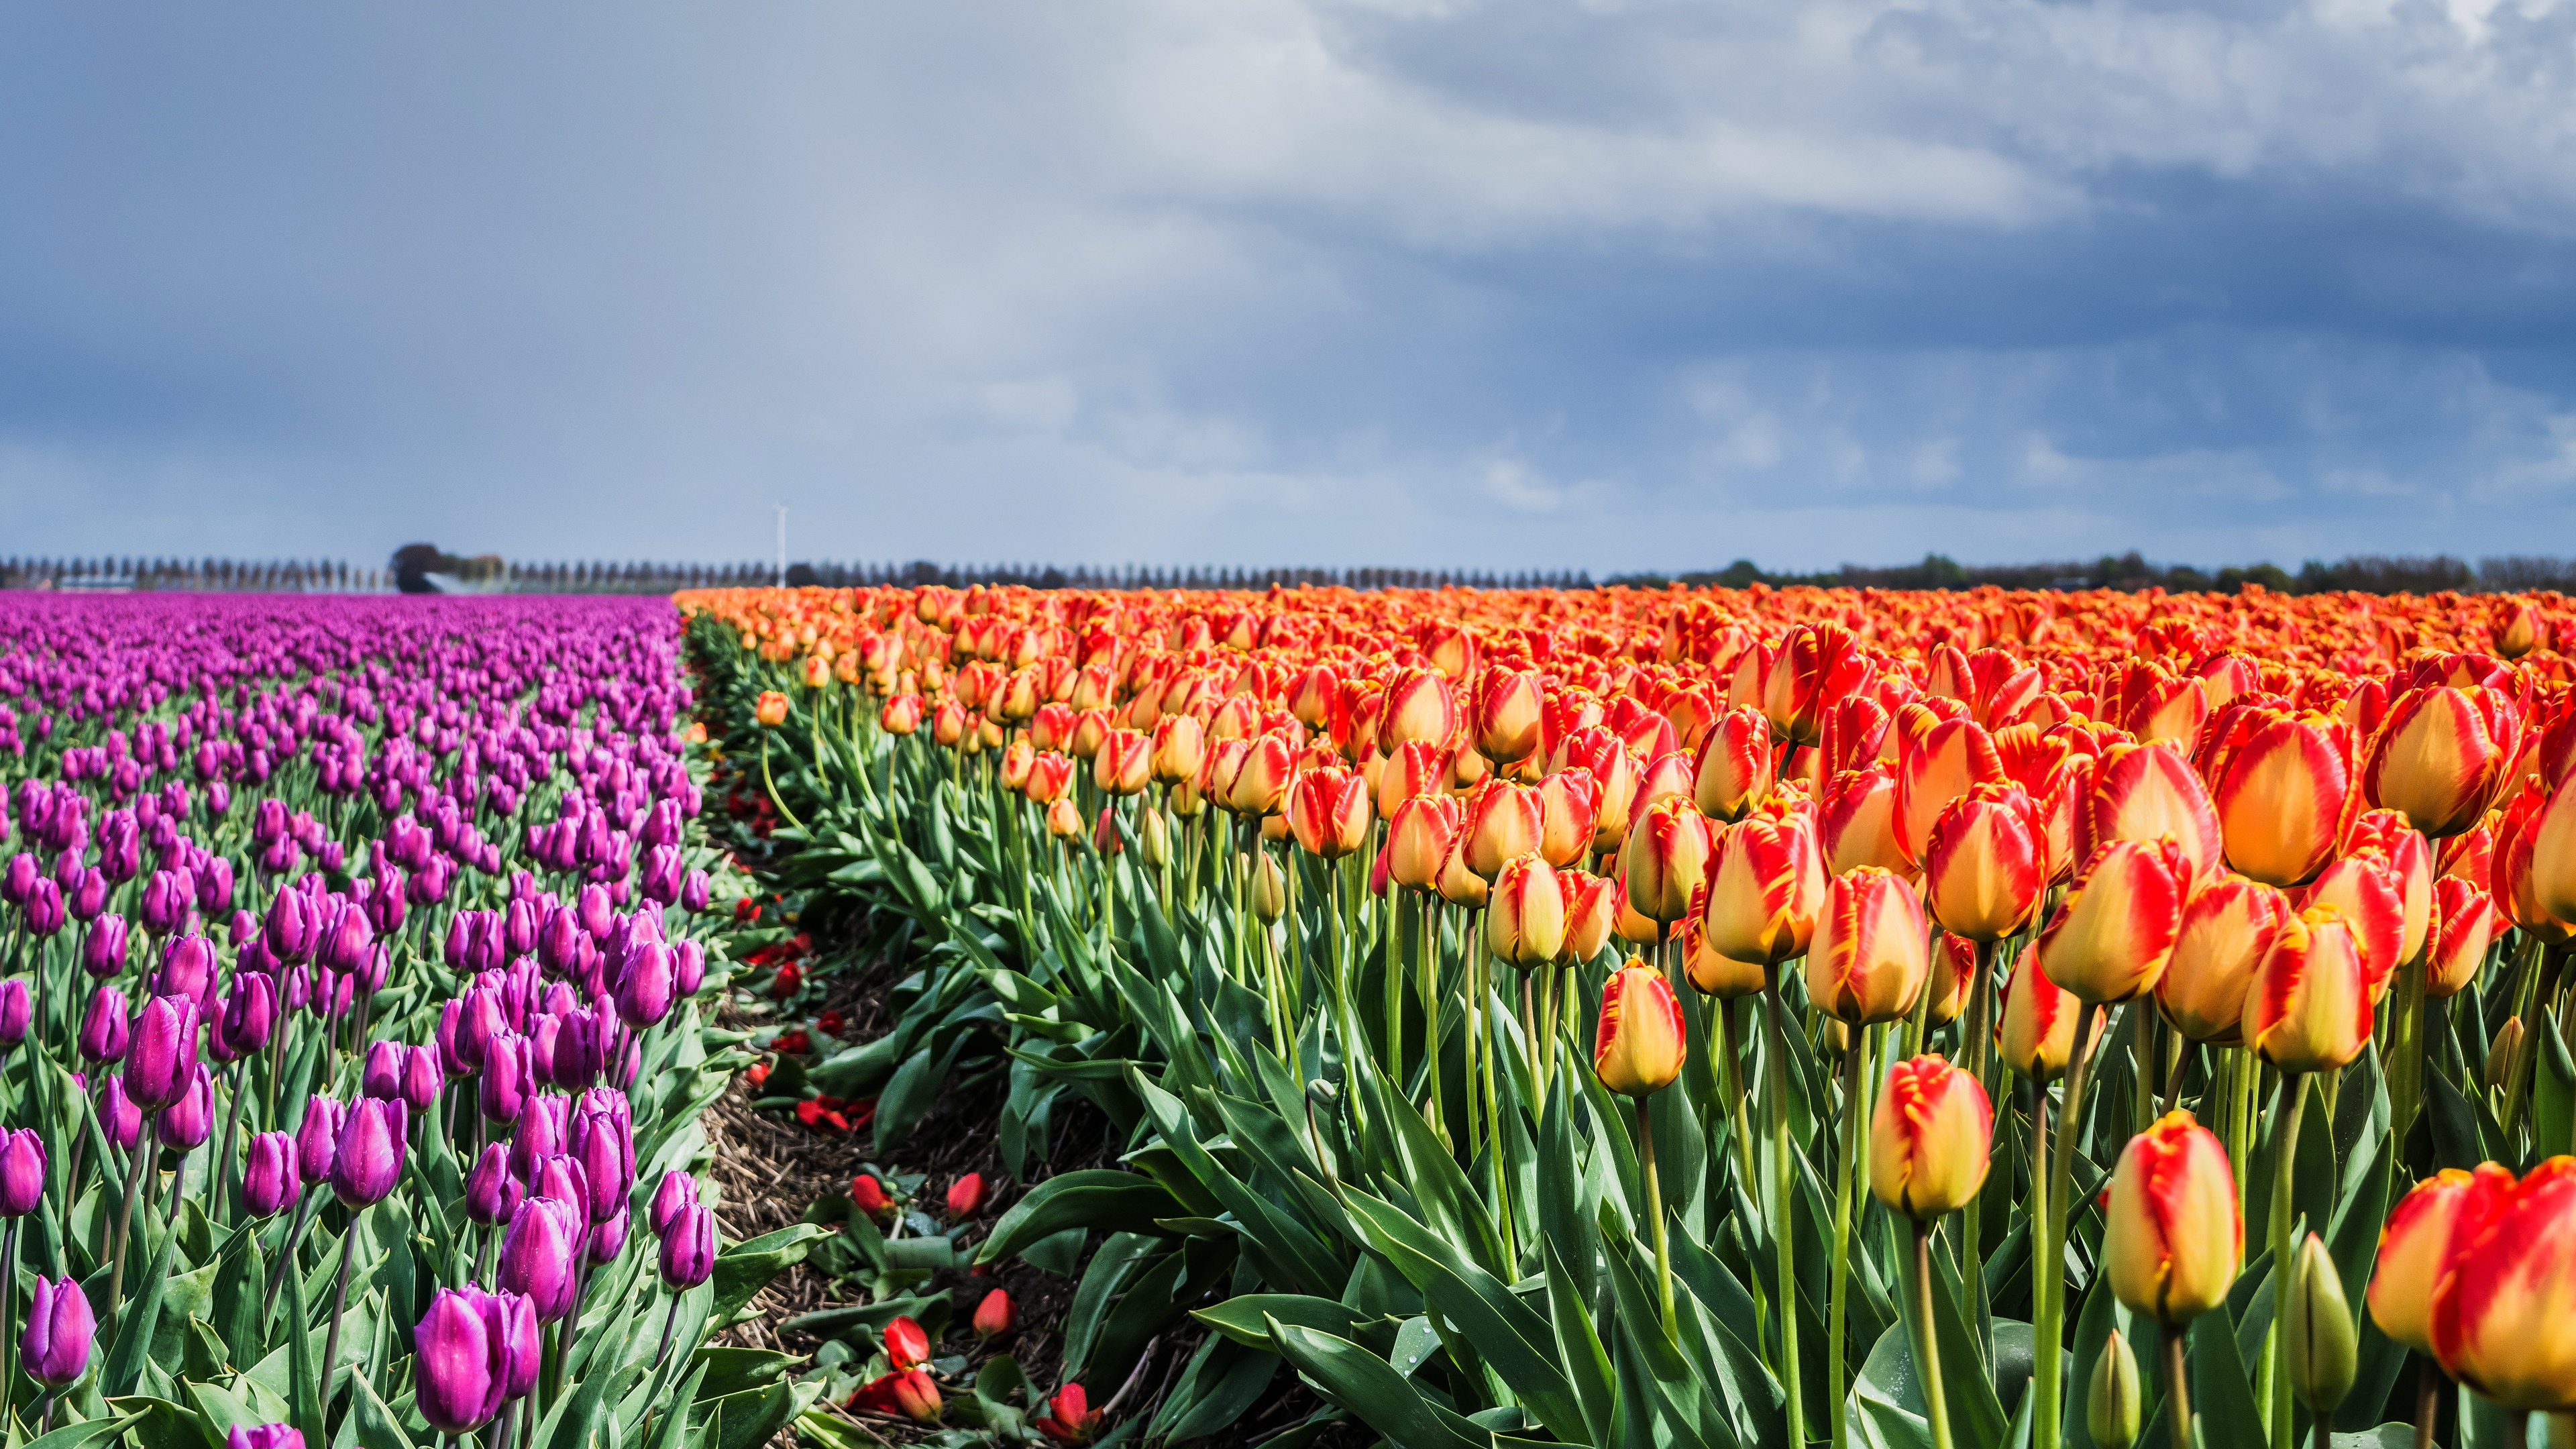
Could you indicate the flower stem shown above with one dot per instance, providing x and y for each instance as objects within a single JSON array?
[
  {"x": 2294, "y": 1094},
  {"x": 1655, "y": 1207},
  {"x": 1783, "y": 1238},
  {"x": 2048, "y": 1225},
  {"x": 772, "y": 786},
  {"x": 1927, "y": 1347},
  {"x": 1855, "y": 1054},
  {"x": 142, "y": 1158},
  {"x": 2178, "y": 1389},
  {"x": 339, "y": 1301}
]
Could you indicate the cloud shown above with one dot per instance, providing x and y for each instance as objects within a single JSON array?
[{"x": 1633, "y": 283}]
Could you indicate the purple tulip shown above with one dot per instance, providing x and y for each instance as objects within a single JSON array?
[
  {"x": 491, "y": 1193},
  {"x": 346, "y": 939},
  {"x": 677, "y": 1191},
  {"x": 694, "y": 890},
  {"x": 103, "y": 945},
  {"x": 526, "y": 1350},
  {"x": 519, "y": 927},
  {"x": 383, "y": 1076},
  {"x": 317, "y": 1141},
  {"x": 163, "y": 1051},
  {"x": 607, "y": 1156},
  {"x": 215, "y": 887},
  {"x": 509, "y": 1078},
  {"x": 187, "y": 969},
  {"x": 243, "y": 931},
  {"x": 166, "y": 900},
  {"x": 22, "y": 1172},
  {"x": 689, "y": 1246},
  {"x": 294, "y": 924},
  {"x": 271, "y": 1181},
  {"x": 594, "y": 910},
  {"x": 561, "y": 1177},
  {"x": 662, "y": 871},
  {"x": 44, "y": 908},
  {"x": 479, "y": 1019},
  {"x": 20, "y": 878},
  {"x": 86, "y": 902},
  {"x": 250, "y": 1013},
  {"x": 537, "y": 1255},
  {"x": 263, "y": 1436},
  {"x": 369, "y": 1158},
  {"x": 186, "y": 1124},
  {"x": 16, "y": 1012},
  {"x": 688, "y": 968},
  {"x": 118, "y": 1116},
  {"x": 463, "y": 1364},
  {"x": 422, "y": 1080},
  {"x": 644, "y": 994},
  {"x": 607, "y": 1240},
  {"x": 61, "y": 1330},
  {"x": 105, "y": 1027}
]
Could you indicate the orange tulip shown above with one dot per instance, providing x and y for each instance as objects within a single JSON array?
[
  {"x": 1420, "y": 836},
  {"x": 1930, "y": 1139},
  {"x": 1734, "y": 768},
  {"x": 1569, "y": 806},
  {"x": 1049, "y": 777},
  {"x": 1413, "y": 768},
  {"x": 948, "y": 723},
  {"x": 2415, "y": 1247},
  {"x": 1180, "y": 746},
  {"x": 1665, "y": 777},
  {"x": 2510, "y": 877},
  {"x": 1867, "y": 961},
  {"x": 2469, "y": 920},
  {"x": 1505, "y": 713},
  {"x": 1590, "y": 912},
  {"x": 2036, "y": 1036},
  {"x": 2501, "y": 1309},
  {"x": 1714, "y": 975},
  {"x": 1816, "y": 666},
  {"x": 2386, "y": 836},
  {"x": 2144, "y": 792},
  {"x": 1954, "y": 971},
  {"x": 2172, "y": 1236},
  {"x": 1091, "y": 729},
  {"x": 2441, "y": 756},
  {"x": 1328, "y": 812},
  {"x": 2286, "y": 797},
  {"x": 1983, "y": 873},
  {"x": 1310, "y": 699},
  {"x": 770, "y": 709},
  {"x": 1063, "y": 821},
  {"x": 1952, "y": 757},
  {"x": 1856, "y": 821},
  {"x": 1120, "y": 767},
  {"x": 1503, "y": 820},
  {"x": 1420, "y": 707},
  {"x": 1458, "y": 885},
  {"x": 1261, "y": 782},
  {"x": 2309, "y": 1007},
  {"x": 2227, "y": 929},
  {"x": 1525, "y": 916},
  {"x": 1665, "y": 859},
  {"x": 1051, "y": 728},
  {"x": 2358, "y": 887},
  {"x": 1640, "y": 1046},
  {"x": 1013, "y": 770},
  {"x": 2111, "y": 939},
  {"x": 901, "y": 715},
  {"x": 1766, "y": 887},
  {"x": 1625, "y": 923},
  {"x": 2553, "y": 855}
]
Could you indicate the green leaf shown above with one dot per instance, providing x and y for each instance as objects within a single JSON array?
[
  {"x": 81, "y": 1436},
  {"x": 745, "y": 1268},
  {"x": 1100, "y": 1199},
  {"x": 1246, "y": 1317},
  {"x": 1368, "y": 1387},
  {"x": 2222, "y": 1400},
  {"x": 1579, "y": 1348},
  {"x": 141, "y": 1317}
]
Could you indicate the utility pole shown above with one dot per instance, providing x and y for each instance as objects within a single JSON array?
[{"x": 782, "y": 545}]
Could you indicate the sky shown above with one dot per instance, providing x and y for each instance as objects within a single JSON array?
[{"x": 1604, "y": 284}]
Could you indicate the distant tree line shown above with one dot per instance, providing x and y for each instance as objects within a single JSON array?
[{"x": 2360, "y": 573}]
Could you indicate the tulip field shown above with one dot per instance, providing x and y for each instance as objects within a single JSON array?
[
  {"x": 1698, "y": 1019},
  {"x": 356, "y": 1031}
]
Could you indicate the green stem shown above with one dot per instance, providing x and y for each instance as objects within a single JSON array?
[
  {"x": 2178, "y": 1389},
  {"x": 2285, "y": 1153},
  {"x": 1733, "y": 1065},
  {"x": 1655, "y": 1209},
  {"x": 1431, "y": 1011},
  {"x": 1783, "y": 1239},
  {"x": 772, "y": 786},
  {"x": 141, "y": 1157},
  {"x": 1855, "y": 1051},
  {"x": 2049, "y": 1287},
  {"x": 1927, "y": 1350},
  {"x": 339, "y": 1301}
]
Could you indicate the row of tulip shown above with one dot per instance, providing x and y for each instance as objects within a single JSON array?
[
  {"x": 2237, "y": 909},
  {"x": 350, "y": 999}
]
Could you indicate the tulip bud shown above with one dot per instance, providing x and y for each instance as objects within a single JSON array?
[
  {"x": 2227, "y": 929},
  {"x": 994, "y": 1316},
  {"x": 1503, "y": 821},
  {"x": 1419, "y": 837},
  {"x": 317, "y": 1140},
  {"x": 606, "y": 1240},
  {"x": 2111, "y": 1405},
  {"x": 2173, "y": 1237},
  {"x": 2443, "y": 755},
  {"x": 270, "y": 1181},
  {"x": 770, "y": 709},
  {"x": 2469, "y": 921},
  {"x": 492, "y": 1194},
  {"x": 2111, "y": 939},
  {"x": 1505, "y": 713},
  {"x": 16, "y": 1012},
  {"x": 2504, "y": 1056},
  {"x": 263, "y": 1436},
  {"x": 1063, "y": 822},
  {"x": 1590, "y": 911},
  {"x": 1855, "y": 822},
  {"x": 367, "y": 1160},
  {"x": 185, "y": 1124},
  {"x": 907, "y": 1345},
  {"x": 1639, "y": 1048},
  {"x": 2309, "y": 1007},
  {"x": 1269, "y": 890},
  {"x": 117, "y": 1114},
  {"x": 1069, "y": 1417},
  {"x": 2037, "y": 1034},
  {"x": 104, "y": 1033},
  {"x": 1929, "y": 1138},
  {"x": 1867, "y": 961},
  {"x": 689, "y": 1246},
  {"x": 162, "y": 1056},
  {"x": 2319, "y": 1347},
  {"x": 60, "y": 1333},
  {"x": 537, "y": 1255},
  {"x": 966, "y": 1196},
  {"x": 2285, "y": 798},
  {"x": 103, "y": 945},
  {"x": 677, "y": 1190},
  {"x": 1714, "y": 975},
  {"x": 1734, "y": 769},
  {"x": 1569, "y": 815},
  {"x": 22, "y": 1172},
  {"x": 1328, "y": 812},
  {"x": 1154, "y": 838}
]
